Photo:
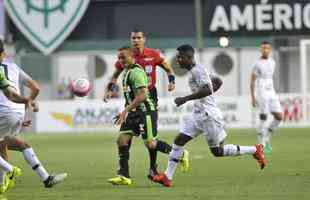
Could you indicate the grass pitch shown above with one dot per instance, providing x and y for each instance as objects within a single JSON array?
[{"x": 90, "y": 159}]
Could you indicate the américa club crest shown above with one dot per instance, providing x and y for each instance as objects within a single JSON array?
[{"x": 46, "y": 23}]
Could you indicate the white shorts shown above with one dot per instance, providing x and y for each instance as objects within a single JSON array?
[
  {"x": 10, "y": 123},
  {"x": 269, "y": 104},
  {"x": 212, "y": 129}
]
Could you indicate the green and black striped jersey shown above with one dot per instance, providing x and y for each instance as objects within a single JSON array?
[{"x": 134, "y": 77}]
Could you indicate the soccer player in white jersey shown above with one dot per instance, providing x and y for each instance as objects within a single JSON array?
[
  {"x": 12, "y": 118},
  {"x": 264, "y": 96},
  {"x": 206, "y": 118},
  {"x": 10, "y": 93}
]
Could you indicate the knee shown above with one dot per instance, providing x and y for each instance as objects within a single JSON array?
[
  {"x": 181, "y": 139},
  {"x": 263, "y": 117},
  {"x": 278, "y": 116},
  {"x": 150, "y": 144},
  {"x": 121, "y": 141},
  {"x": 217, "y": 151}
]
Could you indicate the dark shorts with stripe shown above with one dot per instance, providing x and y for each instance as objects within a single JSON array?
[{"x": 141, "y": 123}]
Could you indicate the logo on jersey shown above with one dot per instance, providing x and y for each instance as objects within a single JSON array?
[
  {"x": 148, "y": 69},
  {"x": 46, "y": 23}
]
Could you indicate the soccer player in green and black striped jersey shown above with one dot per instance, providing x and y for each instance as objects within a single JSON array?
[{"x": 138, "y": 118}]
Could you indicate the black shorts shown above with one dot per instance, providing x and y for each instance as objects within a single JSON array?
[
  {"x": 153, "y": 95},
  {"x": 141, "y": 123}
]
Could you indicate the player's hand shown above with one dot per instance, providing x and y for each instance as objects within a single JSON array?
[
  {"x": 121, "y": 117},
  {"x": 254, "y": 102},
  {"x": 180, "y": 101},
  {"x": 171, "y": 87},
  {"x": 27, "y": 123},
  {"x": 35, "y": 106},
  {"x": 107, "y": 95}
]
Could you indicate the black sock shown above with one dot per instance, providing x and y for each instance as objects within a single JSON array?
[
  {"x": 123, "y": 153},
  {"x": 153, "y": 158},
  {"x": 163, "y": 147}
]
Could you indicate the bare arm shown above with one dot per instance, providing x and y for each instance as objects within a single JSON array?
[
  {"x": 34, "y": 88},
  {"x": 252, "y": 88},
  {"x": 108, "y": 91},
  {"x": 168, "y": 69},
  {"x": 165, "y": 66},
  {"x": 140, "y": 97},
  {"x": 12, "y": 95},
  {"x": 203, "y": 92}
]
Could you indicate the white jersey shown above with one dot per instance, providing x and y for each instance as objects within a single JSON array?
[
  {"x": 264, "y": 70},
  {"x": 199, "y": 78},
  {"x": 15, "y": 76}
]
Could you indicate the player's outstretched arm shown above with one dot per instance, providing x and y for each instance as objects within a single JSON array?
[
  {"x": 204, "y": 91},
  {"x": 168, "y": 69},
  {"x": 109, "y": 89}
]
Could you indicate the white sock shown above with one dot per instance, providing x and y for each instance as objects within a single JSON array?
[
  {"x": 2, "y": 176},
  {"x": 262, "y": 132},
  {"x": 35, "y": 164},
  {"x": 247, "y": 149},
  {"x": 234, "y": 150},
  {"x": 274, "y": 125},
  {"x": 174, "y": 157},
  {"x": 7, "y": 167}
]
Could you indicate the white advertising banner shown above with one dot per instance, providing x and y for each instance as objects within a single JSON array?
[{"x": 94, "y": 115}]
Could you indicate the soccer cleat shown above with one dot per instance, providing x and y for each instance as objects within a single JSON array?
[
  {"x": 53, "y": 180},
  {"x": 267, "y": 149},
  {"x": 152, "y": 173},
  {"x": 259, "y": 156},
  {"x": 3, "y": 188},
  {"x": 11, "y": 177},
  {"x": 120, "y": 180},
  {"x": 184, "y": 162},
  {"x": 162, "y": 179}
]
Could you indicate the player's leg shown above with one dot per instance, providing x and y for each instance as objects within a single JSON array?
[
  {"x": 152, "y": 143},
  {"x": 262, "y": 130},
  {"x": 216, "y": 134},
  {"x": 187, "y": 132},
  {"x": 127, "y": 130},
  {"x": 5, "y": 156},
  {"x": 18, "y": 144},
  {"x": 276, "y": 111}
]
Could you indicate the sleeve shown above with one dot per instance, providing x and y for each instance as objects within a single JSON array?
[
  {"x": 203, "y": 77},
  {"x": 118, "y": 66},
  {"x": 4, "y": 83},
  {"x": 256, "y": 70},
  {"x": 23, "y": 76},
  {"x": 158, "y": 57},
  {"x": 139, "y": 78}
]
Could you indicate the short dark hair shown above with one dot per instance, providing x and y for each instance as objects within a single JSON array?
[
  {"x": 1, "y": 46},
  {"x": 186, "y": 49},
  {"x": 265, "y": 42},
  {"x": 136, "y": 30},
  {"x": 125, "y": 48}
]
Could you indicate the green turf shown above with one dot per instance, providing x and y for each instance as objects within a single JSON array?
[{"x": 90, "y": 159}]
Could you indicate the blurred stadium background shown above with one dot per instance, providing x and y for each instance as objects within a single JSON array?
[{"x": 226, "y": 33}]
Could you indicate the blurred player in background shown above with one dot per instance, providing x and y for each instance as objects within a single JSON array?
[
  {"x": 149, "y": 59},
  {"x": 139, "y": 116},
  {"x": 12, "y": 118},
  {"x": 264, "y": 96},
  {"x": 206, "y": 119}
]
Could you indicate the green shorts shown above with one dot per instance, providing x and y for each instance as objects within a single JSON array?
[{"x": 141, "y": 123}]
